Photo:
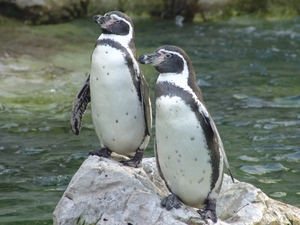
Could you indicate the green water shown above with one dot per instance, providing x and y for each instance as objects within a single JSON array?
[{"x": 248, "y": 70}]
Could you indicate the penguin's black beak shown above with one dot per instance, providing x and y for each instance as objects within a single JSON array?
[
  {"x": 143, "y": 59},
  {"x": 97, "y": 19},
  {"x": 101, "y": 20},
  {"x": 152, "y": 59}
]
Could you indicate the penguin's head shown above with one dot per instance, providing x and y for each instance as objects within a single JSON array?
[
  {"x": 115, "y": 23},
  {"x": 167, "y": 59}
]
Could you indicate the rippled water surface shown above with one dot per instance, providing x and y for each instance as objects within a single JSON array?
[{"x": 248, "y": 70}]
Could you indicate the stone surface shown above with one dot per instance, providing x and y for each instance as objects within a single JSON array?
[
  {"x": 103, "y": 191},
  {"x": 54, "y": 11}
]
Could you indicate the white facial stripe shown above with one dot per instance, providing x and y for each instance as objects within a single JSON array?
[
  {"x": 119, "y": 18},
  {"x": 171, "y": 52}
]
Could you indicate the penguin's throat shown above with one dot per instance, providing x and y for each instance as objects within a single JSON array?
[
  {"x": 178, "y": 79},
  {"x": 125, "y": 41}
]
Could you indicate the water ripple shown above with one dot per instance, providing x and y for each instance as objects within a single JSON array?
[
  {"x": 262, "y": 169},
  {"x": 9, "y": 125},
  {"x": 29, "y": 151},
  {"x": 254, "y": 102},
  {"x": 290, "y": 157},
  {"x": 239, "y": 123},
  {"x": 248, "y": 158},
  {"x": 9, "y": 171},
  {"x": 269, "y": 180},
  {"x": 278, "y": 194},
  {"x": 277, "y": 136},
  {"x": 53, "y": 180}
]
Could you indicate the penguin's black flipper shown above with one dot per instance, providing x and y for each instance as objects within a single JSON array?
[
  {"x": 221, "y": 146},
  {"x": 146, "y": 105},
  {"x": 80, "y": 104}
]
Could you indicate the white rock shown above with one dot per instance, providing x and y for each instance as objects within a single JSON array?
[{"x": 103, "y": 191}]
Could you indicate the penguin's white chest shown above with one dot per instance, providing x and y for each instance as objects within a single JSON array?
[
  {"x": 182, "y": 151},
  {"x": 116, "y": 110}
]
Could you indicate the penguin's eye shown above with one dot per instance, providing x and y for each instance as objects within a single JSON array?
[
  {"x": 118, "y": 21},
  {"x": 168, "y": 55}
]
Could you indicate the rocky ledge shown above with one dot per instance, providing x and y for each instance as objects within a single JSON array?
[{"x": 103, "y": 191}]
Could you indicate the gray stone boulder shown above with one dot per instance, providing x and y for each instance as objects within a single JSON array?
[{"x": 103, "y": 191}]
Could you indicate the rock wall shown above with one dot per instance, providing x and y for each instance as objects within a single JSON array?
[
  {"x": 103, "y": 191},
  {"x": 56, "y": 11}
]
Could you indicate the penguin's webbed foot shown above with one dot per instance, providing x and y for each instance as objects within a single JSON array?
[
  {"x": 136, "y": 159},
  {"x": 103, "y": 152},
  {"x": 209, "y": 211},
  {"x": 170, "y": 202}
]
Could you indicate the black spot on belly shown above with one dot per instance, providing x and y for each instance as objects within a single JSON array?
[
  {"x": 97, "y": 78},
  {"x": 127, "y": 114},
  {"x": 107, "y": 74},
  {"x": 166, "y": 137},
  {"x": 182, "y": 171},
  {"x": 134, "y": 117},
  {"x": 196, "y": 159},
  {"x": 103, "y": 67},
  {"x": 106, "y": 52},
  {"x": 192, "y": 138},
  {"x": 117, "y": 121},
  {"x": 114, "y": 139}
]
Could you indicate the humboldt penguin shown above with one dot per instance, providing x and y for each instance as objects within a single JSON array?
[
  {"x": 118, "y": 92},
  {"x": 188, "y": 148}
]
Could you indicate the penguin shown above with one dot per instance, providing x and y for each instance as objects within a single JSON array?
[
  {"x": 188, "y": 148},
  {"x": 117, "y": 91}
]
